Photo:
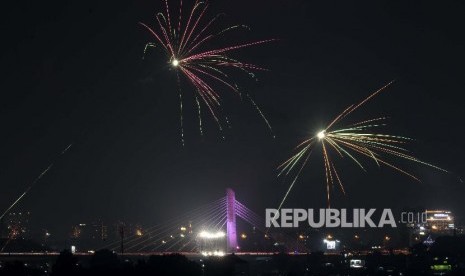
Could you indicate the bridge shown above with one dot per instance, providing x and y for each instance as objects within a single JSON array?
[{"x": 210, "y": 229}]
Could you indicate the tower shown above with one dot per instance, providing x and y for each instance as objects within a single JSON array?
[{"x": 231, "y": 220}]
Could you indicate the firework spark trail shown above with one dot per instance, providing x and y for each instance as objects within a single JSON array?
[
  {"x": 181, "y": 117},
  {"x": 42, "y": 174},
  {"x": 185, "y": 45},
  {"x": 261, "y": 114},
  {"x": 6, "y": 243},
  {"x": 352, "y": 141},
  {"x": 26, "y": 191},
  {"x": 199, "y": 109},
  {"x": 294, "y": 181}
]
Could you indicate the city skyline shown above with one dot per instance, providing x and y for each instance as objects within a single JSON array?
[
  {"x": 75, "y": 75},
  {"x": 212, "y": 230}
]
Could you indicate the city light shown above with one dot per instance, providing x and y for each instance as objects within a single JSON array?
[
  {"x": 357, "y": 263},
  {"x": 213, "y": 253},
  {"x": 210, "y": 235},
  {"x": 330, "y": 245}
]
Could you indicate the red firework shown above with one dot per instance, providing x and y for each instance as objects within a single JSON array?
[{"x": 186, "y": 45}]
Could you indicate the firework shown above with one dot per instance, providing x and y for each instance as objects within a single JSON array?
[
  {"x": 186, "y": 44},
  {"x": 42, "y": 174},
  {"x": 351, "y": 141}
]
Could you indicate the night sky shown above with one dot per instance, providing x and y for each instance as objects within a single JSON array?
[{"x": 72, "y": 72}]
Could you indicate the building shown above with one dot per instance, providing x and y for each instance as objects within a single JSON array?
[
  {"x": 440, "y": 222},
  {"x": 425, "y": 226},
  {"x": 88, "y": 236}
]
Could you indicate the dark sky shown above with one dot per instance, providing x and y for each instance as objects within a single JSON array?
[{"x": 72, "y": 72}]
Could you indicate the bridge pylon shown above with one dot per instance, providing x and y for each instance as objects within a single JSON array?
[{"x": 231, "y": 233}]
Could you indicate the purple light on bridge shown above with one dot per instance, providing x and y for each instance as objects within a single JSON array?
[{"x": 231, "y": 220}]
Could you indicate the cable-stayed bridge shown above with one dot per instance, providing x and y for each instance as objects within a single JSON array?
[{"x": 210, "y": 229}]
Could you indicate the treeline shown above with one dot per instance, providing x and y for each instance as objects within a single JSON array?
[{"x": 105, "y": 262}]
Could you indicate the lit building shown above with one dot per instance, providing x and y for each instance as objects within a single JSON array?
[
  {"x": 428, "y": 224},
  {"x": 440, "y": 222},
  {"x": 99, "y": 231},
  {"x": 89, "y": 236},
  {"x": 331, "y": 243}
]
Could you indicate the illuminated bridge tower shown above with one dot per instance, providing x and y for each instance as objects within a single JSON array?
[{"x": 231, "y": 220}]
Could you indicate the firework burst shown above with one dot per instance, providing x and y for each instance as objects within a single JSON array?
[
  {"x": 351, "y": 141},
  {"x": 186, "y": 44}
]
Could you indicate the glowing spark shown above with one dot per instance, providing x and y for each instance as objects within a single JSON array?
[
  {"x": 175, "y": 62},
  {"x": 352, "y": 141}
]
